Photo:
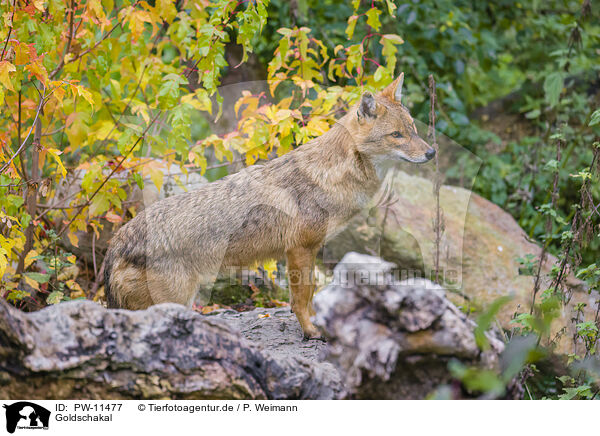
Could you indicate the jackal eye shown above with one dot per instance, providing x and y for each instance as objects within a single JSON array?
[{"x": 397, "y": 134}]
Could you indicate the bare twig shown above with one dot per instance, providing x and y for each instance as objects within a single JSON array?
[
  {"x": 32, "y": 191},
  {"x": 69, "y": 41},
  {"x": 438, "y": 222},
  {"x": 54, "y": 131},
  {"x": 20, "y": 149},
  {"x": 548, "y": 229},
  {"x": 19, "y": 122},
  {"x": 98, "y": 280},
  {"x": 577, "y": 228},
  {"x": 94, "y": 253},
  {"x": 9, "y": 30}
]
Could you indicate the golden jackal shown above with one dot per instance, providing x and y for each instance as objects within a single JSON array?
[{"x": 285, "y": 207}]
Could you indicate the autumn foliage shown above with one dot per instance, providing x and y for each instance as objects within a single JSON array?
[{"x": 107, "y": 92}]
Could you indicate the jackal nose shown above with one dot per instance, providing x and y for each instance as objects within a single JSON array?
[{"x": 430, "y": 153}]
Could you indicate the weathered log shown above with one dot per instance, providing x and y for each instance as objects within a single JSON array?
[
  {"x": 385, "y": 340},
  {"x": 80, "y": 350}
]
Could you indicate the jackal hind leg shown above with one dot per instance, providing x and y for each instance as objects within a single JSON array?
[
  {"x": 170, "y": 288},
  {"x": 311, "y": 308},
  {"x": 301, "y": 264}
]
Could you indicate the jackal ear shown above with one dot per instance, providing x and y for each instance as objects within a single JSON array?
[
  {"x": 394, "y": 90},
  {"x": 367, "y": 108}
]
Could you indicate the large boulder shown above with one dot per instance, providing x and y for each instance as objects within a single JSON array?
[
  {"x": 479, "y": 247},
  {"x": 394, "y": 340}
]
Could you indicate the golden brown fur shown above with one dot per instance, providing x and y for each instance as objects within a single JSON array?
[{"x": 286, "y": 207}]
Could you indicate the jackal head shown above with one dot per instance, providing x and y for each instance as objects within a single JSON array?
[{"x": 385, "y": 128}]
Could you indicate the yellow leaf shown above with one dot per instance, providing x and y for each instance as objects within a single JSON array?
[
  {"x": 3, "y": 261},
  {"x": 317, "y": 126},
  {"x": 166, "y": 10},
  {"x": 73, "y": 239},
  {"x": 136, "y": 23},
  {"x": 141, "y": 109},
  {"x": 39, "y": 5},
  {"x": 96, "y": 7},
  {"x": 87, "y": 95},
  {"x": 156, "y": 175},
  {"x": 31, "y": 282},
  {"x": 100, "y": 294},
  {"x": 38, "y": 70},
  {"x": 5, "y": 68},
  {"x": 271, "y": 268},
  {"x": 102, "y": 129},
  {"x": 199, "y": 160},
  {"x": 95, "y": 229},
  {"x": 209, "y": 309},
  {"x": 29, "y": 258},
  {"x": 77, "y": 129},
  {"x": 199, "y": 100},
  {"x": 264, "y": 315},
  {"x": 396, "y": 39},
  {"x": 55, "y": 154},
  {"x": 73, "y": 285},
  {"x": 22, "y": 53},
  {"x": 6, "y": 246},
  {"x": 279, "y": 303}
]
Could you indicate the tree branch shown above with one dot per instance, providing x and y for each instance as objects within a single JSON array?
[
  {"x": 20, "y": 149},
  {"x": 32, "y": 191}
]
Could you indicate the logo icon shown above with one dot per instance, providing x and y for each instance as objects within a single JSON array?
[{"x": 26, "y": 415}]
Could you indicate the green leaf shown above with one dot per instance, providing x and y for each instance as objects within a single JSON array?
[
  {"x": 350, "y": 28},
  {"x": 100, "y": 204},
  {"x": 138, "y": 180},
  {"x": 396, "y": 39},
  {"x": 485, "y": 319},
  {"x": 595, "y": 118},
  {"x": 551, "y": 165},
  {"x": 391, "y": 7},
  {"x": 553, "y": 87},
  {"x": 55, "y": 297},
  {"x": 373, "y": 18},
  {"x": 583, "y": 391},
  {"x": 16, "y": 295},
  {"x": 38, "y": 277}
]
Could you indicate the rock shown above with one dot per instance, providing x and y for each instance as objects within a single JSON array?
[
  {"x": 277, "y": 331},
  {"x": 81, "y": 350},
  {"x": 479, "y": 248},
  {"x": 394, "y": 340}
]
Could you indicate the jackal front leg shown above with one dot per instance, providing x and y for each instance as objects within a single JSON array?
[{"x": 301, "y": 265}]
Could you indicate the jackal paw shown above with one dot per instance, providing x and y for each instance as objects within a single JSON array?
[{"x": 314, "y": 336}]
